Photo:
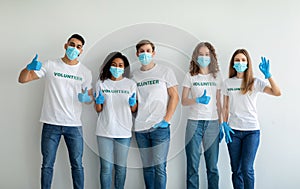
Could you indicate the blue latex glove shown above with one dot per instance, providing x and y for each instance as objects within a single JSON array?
[
  {"x": 227, "y": 130},
  {"x": 264, "y": 67},
  {"x": 221, "y": 134},
  {"x": 84, "y": 97},
  {"x": 203, "y": 99},
  {"x": 35, "y": 64},
  {"x": 162, "y": 124},
  {"x": 132, "y": 100},
  {"x": 100, "y": 98}
]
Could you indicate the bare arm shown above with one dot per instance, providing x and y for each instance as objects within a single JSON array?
[
  {"x": 27, "y": 76},
  {"x": 225, "y": 108},
  {"x": 185, "y": 100},
  {"x": 98, "y": 107},
  {"x": 219, "y": 105},
  {"x": 134, "y": 108},
  {"x": 172, "y": 104},
  {"x": 273, "y": 89}
]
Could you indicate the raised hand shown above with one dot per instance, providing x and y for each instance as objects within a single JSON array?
[
  {"x": 264, "y": 67},
  {"x": 84, "y": 97},
  {"x": 132, "y": 100},
  {"x": 100, "y": 98},
  {"x": 203, "y": 99},
  {"x": 35, "y": 64}
]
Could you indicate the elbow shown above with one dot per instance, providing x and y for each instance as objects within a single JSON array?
[
  {"x": 277, "y": 93},
  {"x": 20, "y": 80}
]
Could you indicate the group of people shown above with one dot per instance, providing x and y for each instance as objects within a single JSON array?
[{"x": 150, "y": 93}]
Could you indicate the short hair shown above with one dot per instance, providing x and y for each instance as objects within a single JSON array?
[
  {"x": 77, "y": 36},
  {"x": 144, "y": 42}
]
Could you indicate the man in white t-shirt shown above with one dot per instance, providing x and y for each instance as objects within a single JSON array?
[
  {"x": 68, "y": 84},
  {"x": 158, "y": 98}
]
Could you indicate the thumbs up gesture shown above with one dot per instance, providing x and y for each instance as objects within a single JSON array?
[
  {"x": 132, "y": 100},
  {"x": 203, "y": 99},
  {"x": 35, "y": 64},
  {"x": 100, "y": 98},
  {"x": 84, "y": 97}
]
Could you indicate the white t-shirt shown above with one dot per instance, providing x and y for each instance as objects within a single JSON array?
[
  {"x": 115, "y": 120},
  {"x": 63, "y": 82},
  {"x": 152, "y": 95},
  {"x": 197, "y": 84},
  {"x": 242, "y": 113}
]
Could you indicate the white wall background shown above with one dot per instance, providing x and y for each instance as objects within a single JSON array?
[{"x": 269, "y": 28}]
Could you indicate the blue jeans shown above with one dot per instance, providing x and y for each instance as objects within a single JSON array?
[
  {"x": 242, "y": 152},
  {"x": 113, "y": 152},
  {"x": 154, "y": 147},
  {"x": 51, "y": 135},
  {"x": 198, "y": 131}
]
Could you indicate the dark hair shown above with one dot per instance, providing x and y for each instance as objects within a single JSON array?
[
  {"x": 144, "y": 42},
  {"x": 248, "y": 80},
  {"x": 77, "y": 36},
  {"x": 213, "y": 67},
  {"x": 104, "y": 69}
]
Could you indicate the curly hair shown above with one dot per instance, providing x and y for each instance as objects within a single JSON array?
[{"x": 213, "y": 67}]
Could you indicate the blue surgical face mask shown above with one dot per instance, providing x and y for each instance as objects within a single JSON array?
[
  {"x": 72, "y": 53},
  {"x": 145, "y": 58},
  {"x": 240, "y": 66},
  {"x": 203, "y": 61},
  {"x": 116, "y": 72}
]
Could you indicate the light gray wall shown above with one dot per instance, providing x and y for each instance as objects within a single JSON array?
[{"x": 268, "y": 28}]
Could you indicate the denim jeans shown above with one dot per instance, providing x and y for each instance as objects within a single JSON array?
[
  {"x": 198, "y": 131},
  {"x": 51, "y": 135},
  {"x": 154, "y": 147},
  {"x": 242, "y": 152},
  {"x": 113, "y": 152}
]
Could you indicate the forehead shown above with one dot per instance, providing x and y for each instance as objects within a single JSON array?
[
  {"x": 118, "y": 60},
  {"x": 203, "y": 49},
  {"x": 75, "y": 41},
  {"x": 241, "y": 56},
  {"x": 146, "y": 46}
]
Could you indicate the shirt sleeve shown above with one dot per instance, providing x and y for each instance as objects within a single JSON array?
[
  {"x": 43, "y": 71},
  {"x": 219, "y": 80},
  {"x": 260, "y": 84},
  {"x": 224, "y": 88},
  {"x": 171, "y": 80},
  {"x": 187, "y": 81},
  {"x": 87, "y": 80}
]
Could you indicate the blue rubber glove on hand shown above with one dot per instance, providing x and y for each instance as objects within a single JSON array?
[
  {"x": 221, "y": 134},
  {"x": 227, "y": 130},
  {"x": 84, "y": 97},
  {"x": 132, "y": 100},
  {"x": 162, "y": 124},
  {"x": 35, "y": 64},
  {"x": 264, "y": 67},
  {"x": 100, "y": 98},
  {"x": 203, "y": 99}
]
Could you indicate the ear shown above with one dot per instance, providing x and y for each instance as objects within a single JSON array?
[
  {"x": 153, "y": 53},
  {"x": 137, "y": 54},
  {"x": 81, "y": 51},
  {"x": 66, "y": 46}
]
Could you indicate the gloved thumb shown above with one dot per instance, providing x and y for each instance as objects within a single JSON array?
[
  {"x": 36, "y": 57},
  {"x": 204, "y": 94},
  {"x": 133, "y": 95},
  {"x": 85, "y": 90}
]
